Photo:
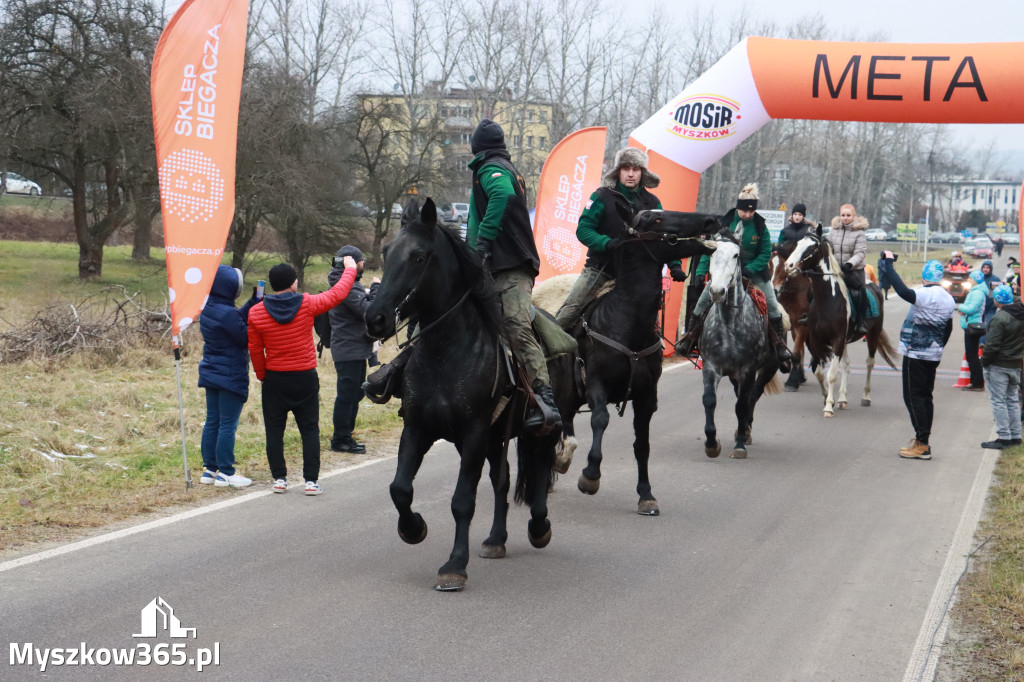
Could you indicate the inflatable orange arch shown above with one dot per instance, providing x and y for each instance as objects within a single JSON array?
[{"x": 762, "y": 79}]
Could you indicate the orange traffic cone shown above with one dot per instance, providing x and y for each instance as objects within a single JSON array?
[{"x": 965, "y": 374}]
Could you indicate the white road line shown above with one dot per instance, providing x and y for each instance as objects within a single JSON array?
[
  {"x": 143, "y": 527},
  {"x": 925, "y": 657}
]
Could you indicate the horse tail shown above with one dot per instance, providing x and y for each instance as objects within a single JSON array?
[
  {"x": 536, "y": 459},
  {"x": 887, "y": 350}
]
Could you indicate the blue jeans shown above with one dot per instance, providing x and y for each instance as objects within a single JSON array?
[
  {"x": 1002, "y": 384},
  {"x": 218, "y": 444}
]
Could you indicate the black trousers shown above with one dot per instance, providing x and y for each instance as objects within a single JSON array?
[
  {"x": 298, "y": 393},
  {"x": 973, "y": 361},
  {"x": 351, "y": 375},
  {"x": 918, "y": 385}
]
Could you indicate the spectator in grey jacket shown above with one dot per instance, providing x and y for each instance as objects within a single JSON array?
[
  {"x": 350, "y": 349},
  {"x": 1002, "y": 359}
]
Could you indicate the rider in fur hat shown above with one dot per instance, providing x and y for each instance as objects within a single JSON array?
[{"x": 601, "y": 229}]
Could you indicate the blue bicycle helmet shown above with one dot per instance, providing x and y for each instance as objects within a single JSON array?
[{"x": 932, "y": 271}]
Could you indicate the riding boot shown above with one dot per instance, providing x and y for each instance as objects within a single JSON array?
[
  {"x": 386, "y": 381},
  {"x": 688, "y": 341},
  {"x": 543, "y": 417},
  {"x": 860, "y": 325},
  {"x": 778, "y": 337}
]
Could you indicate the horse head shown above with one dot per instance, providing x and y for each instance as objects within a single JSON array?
[
  {"x": 725, "y": 267},
  {"x": 806, "y": 252},
  {"x": 407, "y": 260}
]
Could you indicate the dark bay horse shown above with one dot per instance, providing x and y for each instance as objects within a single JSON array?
[
  {"x": 829, "y": 331},
  {"x": 734, "y": 343},
  {"x": 619, "y": 341},
  {"x": 455, "y": 386}
]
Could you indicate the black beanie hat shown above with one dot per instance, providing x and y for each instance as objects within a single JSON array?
[
  {"x": 800, "y": 208},
  {"x": 349, "y": 250},
  {"x": 488, "y": 135},
  {"x": 281, "y": 277}
]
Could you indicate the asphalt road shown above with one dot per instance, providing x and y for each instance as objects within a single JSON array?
[{"x": 814, "y": 559}]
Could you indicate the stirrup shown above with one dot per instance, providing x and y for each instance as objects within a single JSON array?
[{"x": 542, "y": 419}]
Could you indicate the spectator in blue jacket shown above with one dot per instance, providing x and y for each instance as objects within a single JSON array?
[
  {"x": 991, "y": 282},
  {"x": 971, "y": 313},
  {"x": 350, "y": 349},
  {"x": 224, "y": 373}
]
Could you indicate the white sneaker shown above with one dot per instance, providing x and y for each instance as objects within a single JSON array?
[
  {"x": 234, "y": 480},
  {"x": 313, "y": 488},
  {"x": 208, "y": 476},
  {"x": 280, "y": 485}
]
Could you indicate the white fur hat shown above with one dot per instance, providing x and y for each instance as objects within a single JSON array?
[{"x": 633, "y": 158}]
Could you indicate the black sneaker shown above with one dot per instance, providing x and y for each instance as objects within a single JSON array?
[
  {"x": 997, "y": 444},
  {"x": 351, "y": 445}
]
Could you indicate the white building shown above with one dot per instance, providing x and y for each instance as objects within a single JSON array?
[{"x": 999, "y": 199}]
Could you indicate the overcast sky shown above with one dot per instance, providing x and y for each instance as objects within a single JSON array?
[{"x": 896, "y": 21}]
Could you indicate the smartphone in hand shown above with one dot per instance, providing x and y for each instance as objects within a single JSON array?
[{"x": 260, "y": 286}]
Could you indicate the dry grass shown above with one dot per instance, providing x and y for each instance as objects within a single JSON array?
[{"x": 990, "y": 604}]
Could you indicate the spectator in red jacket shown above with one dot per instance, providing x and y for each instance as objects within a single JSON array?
[{"x": 284, "y": 358}]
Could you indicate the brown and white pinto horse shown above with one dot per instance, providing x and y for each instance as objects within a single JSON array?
[
  {"x": 828, "y": 329},
  {"x": 793, "y": 294}
]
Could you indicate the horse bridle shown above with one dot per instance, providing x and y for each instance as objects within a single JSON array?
[
  {"x": 813, "y": 273},
  {"x": 409, "y": 296}
]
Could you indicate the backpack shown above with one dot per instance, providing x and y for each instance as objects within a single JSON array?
[{"x": 322, "y": 327}]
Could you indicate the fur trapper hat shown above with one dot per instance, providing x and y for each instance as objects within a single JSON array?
[{"x": 631, "y": 157}]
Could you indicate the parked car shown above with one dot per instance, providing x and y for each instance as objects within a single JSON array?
[
  {"x": 1011, "y": 238},
  {"x": 16, "y": 184},
  {"x": 454, "y": 213},
  {"x": 356, "y": 208},
  {"x": 875, "y": 235},
  {"x": 891, "y": 235}
]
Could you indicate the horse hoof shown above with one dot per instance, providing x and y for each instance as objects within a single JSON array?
[
  {"x": 563, "y": 458},
  {"x": 450, "y": 582},
  {"x": 789, "y": 389},
  {"x": 842, "y": 405},
  {"x": 829, "y": 414},
  {"x": 739, "y": 453},
  {"x": 415, "y": 534},
  {"x": 713, "y": 452},
  {"x": 492, "y": 551},
  {"x": 648, "y": 508},
  {"x": 865, "y": 402},
  {"x": 541, "y": 540},
  {"x": 588, "y": 485}
]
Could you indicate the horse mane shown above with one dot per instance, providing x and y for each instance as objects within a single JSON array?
[
  {"x": 836, "y": 269},
  {"x": 728, "y": 236},
  {"x": 481, "y": 285}
]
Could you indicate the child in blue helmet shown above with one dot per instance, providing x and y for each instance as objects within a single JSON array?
[
  {"x": 1002, "y": 360},
  {"x": 972, "y": 312},
  {"x": 926, "y": 329}
]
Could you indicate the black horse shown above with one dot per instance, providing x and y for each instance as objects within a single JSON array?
[
  {"x": 619, "y": 340},
  {"x": 455, "y": 386}
]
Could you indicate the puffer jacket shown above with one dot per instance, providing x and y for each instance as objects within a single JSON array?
[
  {"x": 849, "y": 243},
  {"x": 281, "y": 327},
  {"x": 1004, "y": 344},
  {"x": 225, "y": 363},
  {"x": 973, "y": 306}
]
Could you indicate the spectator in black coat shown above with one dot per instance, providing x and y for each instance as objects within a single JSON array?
[{"x": 350, "y": 350}]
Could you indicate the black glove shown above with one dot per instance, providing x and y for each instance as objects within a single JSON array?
[
  {"x": 677, "y": 273},
  {"x": 614, "y": 244},
  {"x": 484, "y": 248},
  {"x": 847, "y": 267},
  {"x": 748, "y": 273}
]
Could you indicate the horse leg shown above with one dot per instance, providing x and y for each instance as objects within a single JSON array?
[
  {"x": 590, "y": 478},
  {"x": 844, "y": 377},
  {"x": 830, "y": 382},
  {"x": 411, "y": 526},
  {"x": 865, "y": 400},
  {"x": 743, "y": 416},
  {"x": 712, "y": 448},
  {"x": 538, "y": 454},
  {"x": 494, "y": 546},
  {"x": 451, "y": 577},
  {"x": 643, "y": 410}
]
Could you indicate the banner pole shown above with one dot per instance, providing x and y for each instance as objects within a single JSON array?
[{"x": 181, "y": 415}]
